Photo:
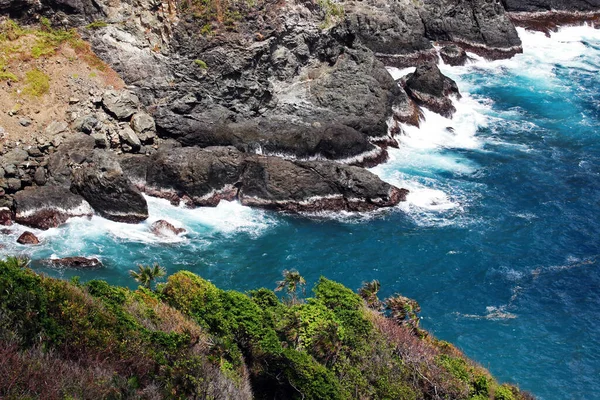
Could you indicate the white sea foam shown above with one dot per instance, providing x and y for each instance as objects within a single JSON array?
[
  {"x": 75, "y": 237},
  {"x": 398, "y": 73}
]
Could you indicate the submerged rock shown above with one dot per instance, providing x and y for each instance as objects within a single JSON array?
[
  {"x": 28, "y": 238},
  {"x": 47, "y": 207},
  {"x": 431, "y": 89},
  {"x": 165, "y": 228},
  {"x": 74, "y": 262},
  {"x": 453, "y": 55}
]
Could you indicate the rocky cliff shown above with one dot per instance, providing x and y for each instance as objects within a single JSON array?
[{"x": 276, "y": 103}]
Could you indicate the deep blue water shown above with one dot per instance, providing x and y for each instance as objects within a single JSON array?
[{"x": 499, "y": 241}]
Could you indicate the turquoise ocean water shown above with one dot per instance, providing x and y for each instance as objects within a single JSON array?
[{"x": 499, "y": 240}]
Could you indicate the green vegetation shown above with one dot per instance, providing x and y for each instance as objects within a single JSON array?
[
  {"x": 333, "y": 12},
  {"x": 291, "y": 283},
  {"x": 190, "y": 339},
  {"x": 216, "y": 15},
  {"x": 201, "y": 64},
  {"x": 29, "y": 46},
  {"x": 146, "y": 274},
  {"x": 97, "y": 25},
  {"x": 38, "y": 83}
]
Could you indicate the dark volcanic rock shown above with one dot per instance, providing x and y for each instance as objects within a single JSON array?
[
  {"x": 206, "y": 176},
  {"x": 430, "y": 88},
  {"x": 165, "y": 228},
  {"x": 548, "y": 5},
  {"x": 200, "y": 176},
  {"x": 453, "y": 55},
  {"x": 275, "y": 136},
  {"x": 110, "y": 193},
  {"x": 28, "y": 238},
  {"x": 314, "y": 186},
  {"x": 72, "y": 153},
  {"x": 48, "y": 206},
  {"x": 74, "y": 262},
  {"x": 481, "y": 26}
]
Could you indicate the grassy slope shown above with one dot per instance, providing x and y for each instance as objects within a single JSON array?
[{"x": 64, "y": 340}]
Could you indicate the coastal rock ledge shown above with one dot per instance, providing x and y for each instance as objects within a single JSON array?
[
  {"x": 205, "y": 176},
  {"x": 47, "y": 207}
]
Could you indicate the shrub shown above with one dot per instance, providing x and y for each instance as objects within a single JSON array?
[
  {"x": 97, "y": 25},
  {"x": 201, "y": 64},
  {"x": 504, "y": 393},
  {"x": 38, "y": 83}
]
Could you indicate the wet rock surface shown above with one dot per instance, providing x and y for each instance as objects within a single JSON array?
[
  {"x": 165, "y": 228},
  {"x": 453, "y": 55},
  {"x": 431, "y": 89},
  {"x": 111, "y": 194},
  {"x": 28, "y": 238},
  {"x": 280, "y": 110},
  {"x": 73, "y": 262},
  {"x": 48, "y": 207},
  {"x": 203, "y": 177}
]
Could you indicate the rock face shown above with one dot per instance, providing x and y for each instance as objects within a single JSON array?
[
  {"x": 477, "y": 25},
  {"x": 430, "y": 88},
  {"x": 548, "y": 5},
  {"x": 74, "y": 262},
  {"x": 111, "y": 194},
  {"x": 48, "y": 207},
  {"x": 165, "y": 228},
  {"x": 203, "y": 177},
  {"x": 28, "y": 238}
]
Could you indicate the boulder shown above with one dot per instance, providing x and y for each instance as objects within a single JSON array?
[
  {"x": 101, "y": 140},
  {"x": 165, "y": 228},
  {"x": 144, "y": 126},
  {"x": 74, "y": 262},
  {"x": 428, "y": 87},
  {"x": 47, "y": 207},
  {"x": 28, "y": 238},
  {"x": 110, "y": 193},
  {"x": 128, "y": 137},
  {"x": 39, "y": 177},
  {"x": 14, "y": 157},
  {"x": 453, "y": 55},
  {"x": 5, "y": 216},
  {"x": 86, "y": 124},
  {"x": 56, "y": 127},
  {"x": 120, "y": 104}
]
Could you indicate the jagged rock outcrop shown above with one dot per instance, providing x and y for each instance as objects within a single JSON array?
[
  {"x": 481, "y": 26},
  {"x": 203, "y": 177},
  {"x": 74, "y": 262},
  {"x": 48, "y": 206},
  {"x": 431, "y": 89},
  {"x": 552, "y": 5},
  {"x": 111, "y": 194}
]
